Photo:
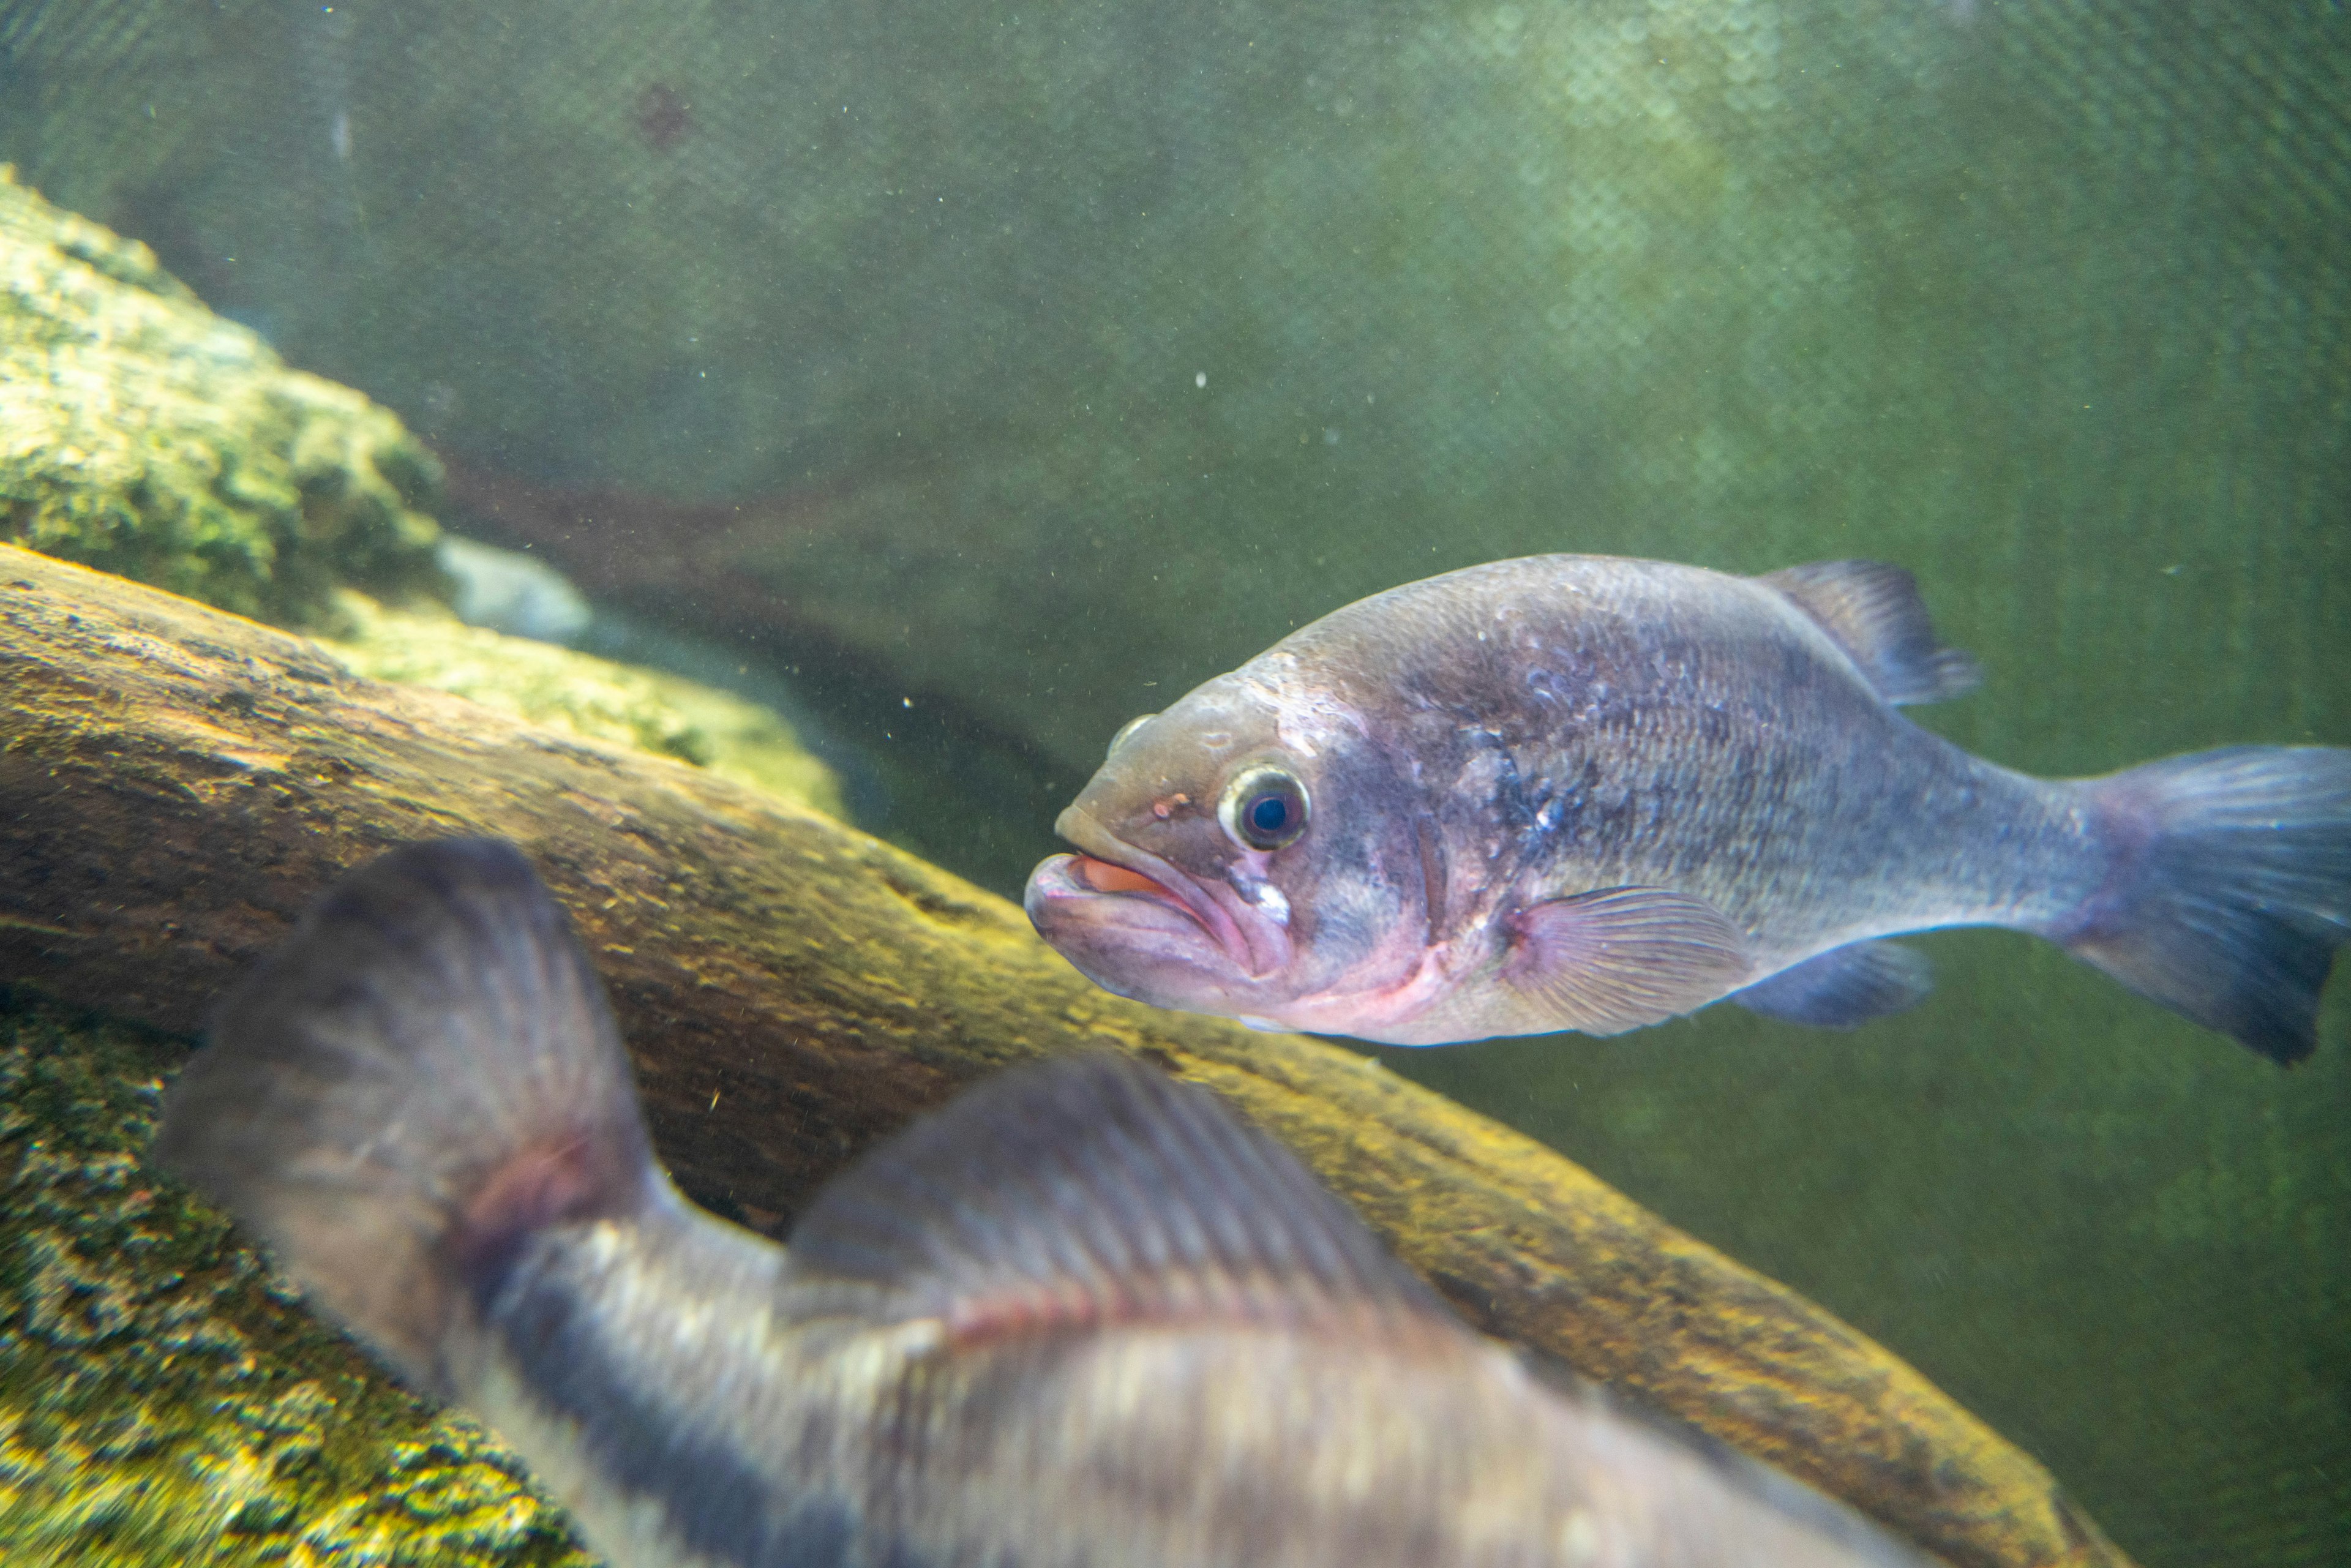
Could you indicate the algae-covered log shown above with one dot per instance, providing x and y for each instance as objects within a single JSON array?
[
  {"x": 176, "y": 784},
  {"x": 163, "y": 1401},
  {"x": 580, "y": 695}
]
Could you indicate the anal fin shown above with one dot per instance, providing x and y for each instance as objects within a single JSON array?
[
  {"x": 1844, "y": 987},
  {"x": 1621, "y": 957},
  {"x": 1873, "y": 611}
]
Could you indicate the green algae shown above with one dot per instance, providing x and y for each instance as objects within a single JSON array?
[
  {"x": 593, "y": 698},
  {"x": 164, "y": 1399},
  {"x": 143, "y": 434}
]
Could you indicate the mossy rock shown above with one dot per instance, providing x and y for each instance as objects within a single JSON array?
[
  {"x": 580, "y": 695},
  {"x": 163, "y": 1396},
  {"x": 143, "y": 434}
]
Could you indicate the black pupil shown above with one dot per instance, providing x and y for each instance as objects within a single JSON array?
[{"x": 1269, "y": 813}]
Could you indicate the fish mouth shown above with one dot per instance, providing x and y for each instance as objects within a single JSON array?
[{"x": 1109, "y": 867}]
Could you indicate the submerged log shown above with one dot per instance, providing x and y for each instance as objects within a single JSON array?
[{"x": 176, "y": 785}]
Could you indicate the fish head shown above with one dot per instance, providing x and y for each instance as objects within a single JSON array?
[{"x": 1242, "y": 854}]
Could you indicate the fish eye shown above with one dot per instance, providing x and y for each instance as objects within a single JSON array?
[
  {"x": 1264, "y": 807},
  {"x": 1126, "y": 730}
]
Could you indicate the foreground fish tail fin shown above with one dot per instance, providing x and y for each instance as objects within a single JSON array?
[
  {"x": 2230, "y": 889},
  {"x": 425, "y": 1073}
]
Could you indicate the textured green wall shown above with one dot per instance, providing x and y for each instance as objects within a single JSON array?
[{"x": 2044, "y": 298}]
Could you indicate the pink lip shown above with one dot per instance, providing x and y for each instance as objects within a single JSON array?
[{"x": 1113, "y": 867}]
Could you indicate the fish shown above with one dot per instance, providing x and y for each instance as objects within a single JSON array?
[
  {"x": 1085, "y": 1314},
  {"x": 1592, "y": 793}
]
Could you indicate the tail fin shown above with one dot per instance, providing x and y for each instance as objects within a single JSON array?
[
  {"x": 425, "y": 1072},
  {"x": 2232, "y": 888}
]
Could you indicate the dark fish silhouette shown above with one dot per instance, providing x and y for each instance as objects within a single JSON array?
[
  {"x": 1082, "y": 1318},
  {"x": 1581, "y": 793}
]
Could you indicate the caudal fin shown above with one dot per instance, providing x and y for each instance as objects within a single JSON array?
[
  {"x": 424, "y": 1073},
  {"x": 2232, "y": 888}
]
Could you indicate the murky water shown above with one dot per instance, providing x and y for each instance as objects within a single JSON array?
[{"x": 964, "y": 380}]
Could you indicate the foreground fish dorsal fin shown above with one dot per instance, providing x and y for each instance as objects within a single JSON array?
[
  {"x": 1844, "y": 987},
  {"x": 1874, "y": 612},
  {"x": 426, "y": 1072},
  {"x": 1621, "y": 957},
  {"x": 1084, "y": 1191}
]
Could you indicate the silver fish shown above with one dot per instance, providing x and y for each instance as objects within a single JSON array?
[
  {"x": 1083, "y": 1316},
  {"x": 1577, "y": 793}
]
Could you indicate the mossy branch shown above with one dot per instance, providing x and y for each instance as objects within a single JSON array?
[{"x": 176, "y": 784}]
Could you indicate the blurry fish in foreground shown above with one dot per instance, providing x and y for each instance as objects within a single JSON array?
[
  {"x": 1590, "y": 793},
  {"x": 1082, "y": 1316}
]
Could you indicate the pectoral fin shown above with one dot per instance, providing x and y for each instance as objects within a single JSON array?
[
  {"x": 1615, "y": 959},
  {"x": 1843, "y": 986}
]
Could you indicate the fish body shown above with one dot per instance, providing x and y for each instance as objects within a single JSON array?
[
  {"x": 1592, "y": 793},
  {"x": 1082, "y": 1318}
]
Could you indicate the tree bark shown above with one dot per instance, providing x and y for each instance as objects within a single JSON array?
[{"x": 177, "y": 784}]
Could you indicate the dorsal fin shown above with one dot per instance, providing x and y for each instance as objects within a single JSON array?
[
  {"x": 1085, "y": 1191},
  {"x": 1873, "y": 611}
]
